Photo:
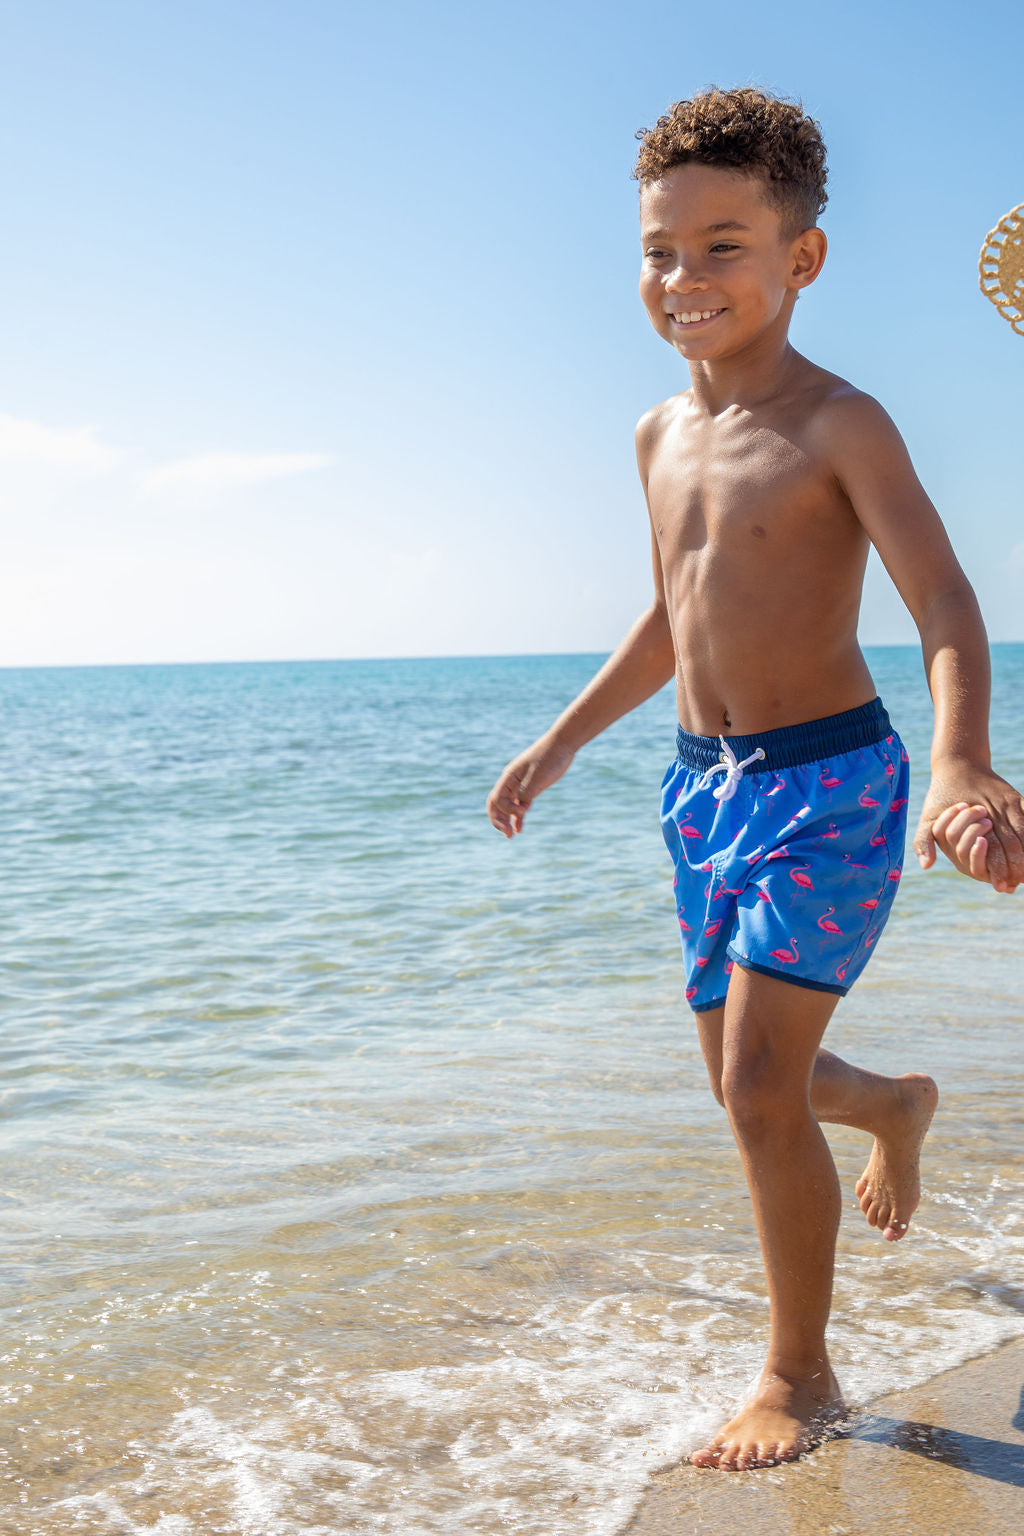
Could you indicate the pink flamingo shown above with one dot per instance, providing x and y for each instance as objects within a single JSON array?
[
  {"x": 794, "y": 821},
  {"x": 894, "y": 874},
  {"x": 730, "y": 966},
  {"x": 787, "y": 956},
  {"x": 878, "y": 841},
  {"x": 706, "y": 867},
  {"x": 752, "y": 858},
  {"x": 762, "y": 893},
  {"x": 828, "y": 780},
  {"x": 890, "y": 769},
  {"x": 684, "y": 925},
  {"x": 691, "y": 993},
  {"x": 712, "y": 928},
  {"x": 684, "y": 830},
  {"x": 801, "y": 877},
  {"x": 777, "y": 853},
  {"x": 833, "y": 831},
  {"x": 870, "y": 904},
  {"x": 850, "y": 863},
  {"x": 776, "y": 789},
  {"x": 702, "y": 961},
  {"x": 872, "y": 936},
  {"x": 727, "y": 890},
  {"x": 841, "y": 971},
  {"x": 897, "y": 805},
  {"x": 865, "y": 799},
  {"x": 825, "y": 922}
]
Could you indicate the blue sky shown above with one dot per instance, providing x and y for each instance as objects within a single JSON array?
[{"x": 320, "y": 328}]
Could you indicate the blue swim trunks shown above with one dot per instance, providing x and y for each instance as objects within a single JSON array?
[{"x": 788, "y": 848}]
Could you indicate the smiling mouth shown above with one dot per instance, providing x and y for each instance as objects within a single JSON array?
[{"x": 692, "y": 316}]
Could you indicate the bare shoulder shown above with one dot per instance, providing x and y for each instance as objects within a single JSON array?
[
  {"x": 843, "y": 421},
  {"x": 651, "y": 430}
]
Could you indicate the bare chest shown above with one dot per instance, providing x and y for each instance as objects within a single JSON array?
[{"x": 753, "y": 491}]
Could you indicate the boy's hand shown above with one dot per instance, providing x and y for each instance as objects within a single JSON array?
[
  {"x": 522, "y": 781},
  {"x": 983, "y": 836}
]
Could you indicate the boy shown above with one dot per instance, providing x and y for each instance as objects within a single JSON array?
[{"x": 785, "y": 807}]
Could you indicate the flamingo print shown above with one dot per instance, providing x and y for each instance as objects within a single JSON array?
[
  {"x": 795, "y": 821},
  {"x": 878, "y": 841},
  {"x": 828, "y": 780},
  {"x": 866, "y": 800},
  {"x": 712, "y": 928},
  {"x": 894, "y": 874},
  {"x": 897, "y": 805},
  {"x": 684, "y": 925},
  {"x": 801, "y": 877},
  {"x": 833, "y": 831},
  {"x": 825, "y": 922},
  {"x": 786, "y": 956},
  {"x": 870, "y": 904},
  {"x": 776, "y": 789},
  {"x": 690, "y": 994},
  {"x": 684, "y": 830}
]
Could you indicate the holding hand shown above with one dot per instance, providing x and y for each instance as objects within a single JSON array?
[
  {"x": 983, "y": 836},
  {"x": 522, "y": 781}
]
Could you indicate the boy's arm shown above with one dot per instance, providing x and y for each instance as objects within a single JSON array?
[
  {"x": 965, "y": 794},
  {"x": 640, "y": 665}
]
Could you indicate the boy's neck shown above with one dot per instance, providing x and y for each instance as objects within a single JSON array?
[{"x": 748, "y": 379}]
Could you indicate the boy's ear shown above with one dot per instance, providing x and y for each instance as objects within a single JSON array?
[{"x": 809, "y": 250}]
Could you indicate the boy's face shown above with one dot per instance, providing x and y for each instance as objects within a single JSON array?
[{"x": 714, "y": 249}]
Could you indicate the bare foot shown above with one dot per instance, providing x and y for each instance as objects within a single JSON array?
[
  {"x": 889, "y": 1189},
  {"x": 785, "y": 1417}
]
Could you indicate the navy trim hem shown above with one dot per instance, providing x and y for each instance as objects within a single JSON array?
[
  {"x": 790, "y": 745},
  {"x": 795, "y": 981},
  {"x": 719, "y": 1002}
]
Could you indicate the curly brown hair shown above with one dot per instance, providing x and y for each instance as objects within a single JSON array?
[{"x": 749, "y": 131}]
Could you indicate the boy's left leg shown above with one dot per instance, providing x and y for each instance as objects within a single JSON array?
[{"x": 771, "y": 1033}]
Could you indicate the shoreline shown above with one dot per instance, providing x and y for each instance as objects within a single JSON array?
[{"x": 946, "y": 1455}]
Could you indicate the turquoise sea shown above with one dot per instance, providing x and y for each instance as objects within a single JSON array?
[{"x": 358, "y": 1168}]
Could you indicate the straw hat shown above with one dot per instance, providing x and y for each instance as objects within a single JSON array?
[{"x": 1001, "y": 267}]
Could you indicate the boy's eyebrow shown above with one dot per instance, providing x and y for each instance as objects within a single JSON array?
[{"x": 709, "y": 229}]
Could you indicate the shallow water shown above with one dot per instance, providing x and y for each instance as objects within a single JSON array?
[{"x": 359, "y": 1169}]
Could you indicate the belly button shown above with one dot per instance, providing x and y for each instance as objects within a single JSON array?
[
  {"x": 758, "y": 531},
  {"x": 725, "y": 717}
]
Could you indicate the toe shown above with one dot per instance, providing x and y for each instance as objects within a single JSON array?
[
  {"x": 862, "y": 1187},
  {"x": 871, "y": 1213},
  {"x": 707, "y": 1456}
]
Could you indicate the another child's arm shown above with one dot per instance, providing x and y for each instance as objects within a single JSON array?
[{"x": 965, "y": 793}]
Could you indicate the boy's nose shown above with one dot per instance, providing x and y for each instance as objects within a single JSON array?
[{"x": 684, "y": 279}]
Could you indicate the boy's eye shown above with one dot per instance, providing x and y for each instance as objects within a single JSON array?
[
  {"x": 723, "y": 245},
  {"x": 656, "y": 255}
]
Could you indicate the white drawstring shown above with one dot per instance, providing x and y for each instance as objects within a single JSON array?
[{"x": 731, "y": 768}]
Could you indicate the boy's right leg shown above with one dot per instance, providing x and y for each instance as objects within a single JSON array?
[{"x": 896, "y": 1111}]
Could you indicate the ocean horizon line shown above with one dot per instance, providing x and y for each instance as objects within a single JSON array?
[{"x": 425, "y": 656}]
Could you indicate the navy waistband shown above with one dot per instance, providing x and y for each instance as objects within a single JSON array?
[{"x": 810, "y": 742}]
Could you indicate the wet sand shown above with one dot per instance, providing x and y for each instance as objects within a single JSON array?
[{"x": 946, "y": 1456}]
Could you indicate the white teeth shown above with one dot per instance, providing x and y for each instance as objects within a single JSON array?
[{"x": 696, "y": 314}]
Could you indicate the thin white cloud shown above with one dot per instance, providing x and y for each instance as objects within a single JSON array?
[
  {"x": 74, "y": 449},
  {"x": 213, "y": 473}
]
